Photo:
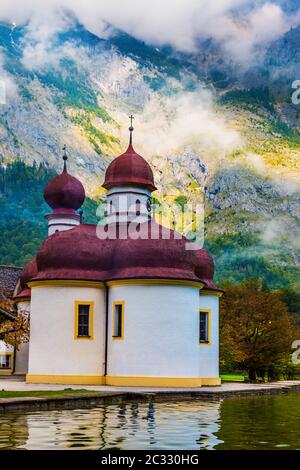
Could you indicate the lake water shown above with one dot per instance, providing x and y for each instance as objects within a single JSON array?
[{"x": 265, "y": 422}]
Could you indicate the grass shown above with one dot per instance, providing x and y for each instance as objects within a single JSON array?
[
  {"x": 233, "y": 377},
  {"x": 66, "y": 393}
]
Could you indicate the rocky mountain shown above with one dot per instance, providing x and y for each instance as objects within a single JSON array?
[{"x": 210, "y": 130}]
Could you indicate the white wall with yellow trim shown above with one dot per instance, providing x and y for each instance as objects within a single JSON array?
[
  {"x": 160, "y": 337},
  {"x": 53, "y": 350},
  {"x": 210, "y": 351},
  {"x": 161, "y": 333}
]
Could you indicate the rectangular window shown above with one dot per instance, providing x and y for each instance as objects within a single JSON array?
[
  {"x": 84, "y": 312},
  {"x": 118, "y": 320},
  {"x": 204, "y": 327},
  {"x": 5, "y": 361},
  {"x": 83, "y": 320}
]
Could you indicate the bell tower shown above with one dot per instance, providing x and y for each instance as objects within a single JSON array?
[{"x": 65, "y": 195}]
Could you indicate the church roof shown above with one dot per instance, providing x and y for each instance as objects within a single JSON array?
[
  {"x": 29, "y": 272},
  {"x": 129, "y": 169},
  {"x": 9, "y": 277},
  {"x": 7, "y": 315},
  {"x": 64, "y": 192},
  {"x": 78, "y": 254}
]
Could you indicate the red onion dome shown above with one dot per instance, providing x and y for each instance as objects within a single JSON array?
[
  {"x": 129, "y": 169},
  {"x": 64, "y": 191}
]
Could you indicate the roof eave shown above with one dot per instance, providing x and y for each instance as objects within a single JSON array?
[{"x": 7, "y": 315}]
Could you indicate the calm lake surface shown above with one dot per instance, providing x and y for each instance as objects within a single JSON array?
[{"x": 268, "y": 422}]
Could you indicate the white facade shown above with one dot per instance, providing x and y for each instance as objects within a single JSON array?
[
  {"x": 54, "y": 350},
  {"x": 210, "y": 352},
  {"x": 159, "y": 345},
  {"x": 161, "y": 333}
]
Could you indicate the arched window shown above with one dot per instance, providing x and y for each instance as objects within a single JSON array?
[
  {"x": 110, "y": 207},
  {"x": 138, "y": 207}
]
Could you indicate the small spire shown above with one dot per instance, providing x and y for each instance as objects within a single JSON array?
[
  {"x": 65, "y": 157},
  {"x": 131, "y": 128}
]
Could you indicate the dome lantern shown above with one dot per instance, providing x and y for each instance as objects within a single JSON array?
[{"x": 129, "y": 180}]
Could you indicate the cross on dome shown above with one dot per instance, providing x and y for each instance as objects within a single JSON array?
[
  {"x": 65, "y": 157},
  {"x": 131, "y": 128},
  {"x": 129, "y": 169}
]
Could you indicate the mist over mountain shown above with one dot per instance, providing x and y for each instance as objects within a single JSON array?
[{"x": 210, "y": 118}]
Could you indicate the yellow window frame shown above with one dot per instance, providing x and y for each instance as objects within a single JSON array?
[
  {"x": 91, "y": 320},
  {"x": 208, "y": 342},
  {"x": 11, "y": 355},
  {"x": 122, "y": 303}
]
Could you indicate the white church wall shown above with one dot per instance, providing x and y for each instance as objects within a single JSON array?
[
  {"x": 209, "y": 365},
  {"x": 161, "y": 333},
  {"x": 53, "y": 349}
]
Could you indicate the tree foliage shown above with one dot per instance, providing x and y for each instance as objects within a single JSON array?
[
  {"x": 292, "y": 301},
  {"x": 255, "y": 330},
  {"x": 14, "y": 332}
]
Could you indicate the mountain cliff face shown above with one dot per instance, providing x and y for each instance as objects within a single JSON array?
[{"x": 207, "y": 128}]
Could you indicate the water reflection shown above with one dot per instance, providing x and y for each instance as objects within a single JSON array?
[
  {"x": 269, "y": 422},
  {"x": 162, "y": 425},
  {"x": 13, "y": 431},
  {"x": 265, "y": 422}
]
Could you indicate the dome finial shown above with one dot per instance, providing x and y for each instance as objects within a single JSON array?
[
  {"x": 65, "y": 157},
  {"x": 131, "y": 128}
]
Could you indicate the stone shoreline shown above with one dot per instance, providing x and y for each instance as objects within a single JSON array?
[{"x": 229, "y": 390}]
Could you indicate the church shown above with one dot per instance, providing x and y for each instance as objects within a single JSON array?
[{"x": 122, "y": 303}]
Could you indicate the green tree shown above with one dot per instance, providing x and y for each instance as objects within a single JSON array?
[{"x": 255, "y": 330}]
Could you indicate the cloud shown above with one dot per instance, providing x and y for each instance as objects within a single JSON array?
[
  {"x": 170, "y": 123},
  {"x": 256, "y": 162},
  {"x": 8, "y": 86},
  {"x": 281, "y": 230},
  {"x": 239, "y": 26},
  {"x": 243, "y": 36}
]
